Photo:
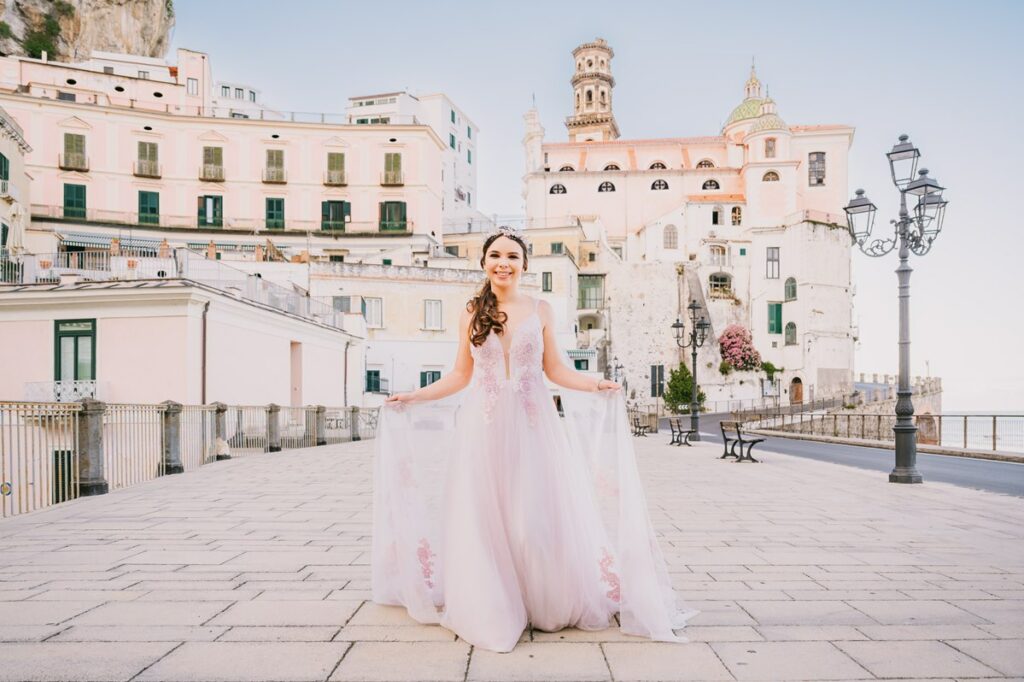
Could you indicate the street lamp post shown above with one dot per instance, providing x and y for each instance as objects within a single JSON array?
[
  {"x": 914, "y": 234},
  {"x": 698, "y": 334}
]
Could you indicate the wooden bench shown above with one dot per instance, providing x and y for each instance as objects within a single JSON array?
[
  {"x": 737, "y": 439},
  {"x": 680, "y": 436},
  {"x": 639, "y": 429}
]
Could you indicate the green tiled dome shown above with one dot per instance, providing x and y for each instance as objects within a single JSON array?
[
  {"x": 769, "y": 122},
  {"x": 748, "y": 108}
]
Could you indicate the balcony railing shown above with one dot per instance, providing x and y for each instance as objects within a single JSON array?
[
  {"x": 274, "y": 176},
  {"x": 332, "y": 225},
  {"x": 394, "y": 226},
  {"x": 392, "y": 179},
  {"x": 73, "y": 161},
  {"x": 8, "y": 192},
  {"x": 211, "y": 172},
  {"x": 335, "y": 178},
  {"x": 147, "y": 169},
  {"x": 720, "y": 291},
  {"x": 60, "y": 391},
  {"x": 379, "y": 385}
]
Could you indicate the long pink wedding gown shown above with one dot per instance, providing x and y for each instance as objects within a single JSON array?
[{"x": 491, "y": 511}]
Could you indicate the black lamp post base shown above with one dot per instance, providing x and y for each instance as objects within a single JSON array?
[{"x": 904, "y": 475}]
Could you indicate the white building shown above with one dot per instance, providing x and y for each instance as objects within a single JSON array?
[
  {"x": 750, "y": 222},
  {"x": 459, "y": 202}
]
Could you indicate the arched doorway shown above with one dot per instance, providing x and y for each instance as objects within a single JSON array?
[{"x": 796, "y": 391}]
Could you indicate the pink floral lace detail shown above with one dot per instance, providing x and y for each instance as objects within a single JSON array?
[
  {"x": 526, "y": 372},
  {"x": 426, "y": 561},
  {"x": 487, "y": 359},
  {"x": 609, "y": 576}
]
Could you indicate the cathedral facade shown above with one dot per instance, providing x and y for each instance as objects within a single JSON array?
[{"x": 748, "y": 223}]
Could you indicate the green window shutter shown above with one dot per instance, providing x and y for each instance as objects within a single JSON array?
[
  {"x": 275, "y": 213},
  {"x": 74, "y": 143},
  {"x": 335, "y": 161},
  {"x": 148, "y": 151},
  {"x": 392, "y": 162},
  {"x": 74, "y": 201},
  {"x": 275, "y": 158},
  {"x": 453, "y": 116},
  {"x": 149, "y": 208},
  {"x": 774, "y": 318},
  {"x": 5, "y": 168},
  {"x": 213, "y": 156},
  {"x": 451, "y": 140},
  {"x": 469, "y": 156}
]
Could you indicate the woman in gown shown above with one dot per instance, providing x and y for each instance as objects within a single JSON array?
[{"x": 491, "y": 511}]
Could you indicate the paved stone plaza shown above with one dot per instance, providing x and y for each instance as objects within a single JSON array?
[{"x": 257, "y": 569}]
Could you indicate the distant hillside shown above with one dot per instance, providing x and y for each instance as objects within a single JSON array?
[{"x": 69, "y": 30}]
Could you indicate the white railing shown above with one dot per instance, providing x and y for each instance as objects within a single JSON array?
[
  {"x": 334, "y": 177},
  {"x": 298, "y": 427},
  {"x": 9, "y": 191},
  {"x": 64, "y": 391},
  {"x": 246, "y": 429},
  {"x": 38, "y": 456},
  {"x": 147, "y": 169},
  {"x": 337, "y": 425},
  {"x": 132, "y": 444},
  {"x": 198, "y": 441},
  {"x": 212, "y": 172}
]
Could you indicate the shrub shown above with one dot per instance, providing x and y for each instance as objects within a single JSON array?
[
  {"x": 737, "y": 348},
  {"x": 725, "y": 368},
  {"x": 680, "y": 389}
]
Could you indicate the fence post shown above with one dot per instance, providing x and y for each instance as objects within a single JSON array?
[
  {"x": 92, "y": 480},
  {"x": 220, "y": 431},
  {"x": 273, "y": 428},
  {"x": 321, "y": 425},
  {"x": 353, "y": 418},
  {"x": 172, "y": 437}
]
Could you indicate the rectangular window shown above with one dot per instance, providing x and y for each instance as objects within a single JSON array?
[
  {"x": 769, "y": 148},
  {"x": 5, "y": 168},
  {"x": 386, "y": 261},
  {"x": 469, "y": 198},
  {"x": 373, "y": 311},
  {"x": 336, "y": 168},
  {"x": 275, "y": 213},
  {"x": 657, "y": 381},
  {"x": 334, "y": 214},
  {"x": 74, "y": 152},
  {"x": 716, "y": 217},
  {"x": 816, "y": 169},
  {"x": 252, "y": 96},
  {"x": 557, "y": 248},
  {"x": 591, "y": 291},
  {"x": 392, "y": 216},
  {"x": 211, "y": 211},
  {"x": 74, "y": 201},
  {"x": 66, "y": 96},
  {"x": 108, "y": 69},
  {"x": 144, "y": 75},
  {"x": 239, "y": 93},
  {"x": 149, "y": 208},
  {"x": 451, "y": 140},
  {"x": 469, "y": 156},
  {"x": 428, "y": 377},
  {"x": 469, "y": 132},
  {"x": 772, "y": 263},
  {"x": 225, "y": 91},
  {"x": 336, "y": 258},
  {"x": 452, "y": 250},
  {"x": 453, "y": 116},
  {"x": 431, "y": 314},
  {"x": 774, "y": 318},
  {"x": 74, "y": 350},
  {"x": 392, "y": 168},
  {"x": 582, "y": 364},
  {"x": 193, "y": 86},
  {"x": 373, "y": 381},
  {"x": 545, "y": 278},
  {"x": 147, "y": 163},
  {"x": 743, "y": 251},
  {"x": 275, "y": 158},
  {"x": 342, "y": 304}
]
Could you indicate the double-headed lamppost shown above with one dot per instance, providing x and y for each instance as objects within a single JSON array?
[
  {"x": 698, "y": 334},
  {"x": 913, "y": 233}
]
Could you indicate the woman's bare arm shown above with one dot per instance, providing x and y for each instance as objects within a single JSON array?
[
  {"x": 555, "y": 368},
  {"x": 454, "y": 381}
]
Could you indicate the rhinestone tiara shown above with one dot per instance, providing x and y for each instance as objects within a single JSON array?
[{"x": 509, "y": 231}]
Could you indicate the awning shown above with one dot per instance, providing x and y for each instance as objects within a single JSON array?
[
  {"x": 221, "y": 246},
  {"x": 581, "y": 353},
  {"x": 102, "y": 241}
]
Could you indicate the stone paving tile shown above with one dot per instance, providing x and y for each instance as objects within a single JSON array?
[
  {"x": 810, "y": 633},
  {"x": 394, "y": 633},
  {"x": 788, "y": 661},
  {"x": 916, "y": 612},
  {"x": 569, "y": 662},
  {"x": 292, "y": 595},
  {"x": 1001, "y": 612},
  {"x": 1003, "y": 655},
  {"x": 914, "y": 659},
  {"x": 272, "y": 633},
  {"x": 74, "y": 661},
  {"x": 199, "y": 595},
  {"x": 663, "y": 661},
  {"x": 139, "y": 633},
  {"x": 89, "y": 595},
  {"x": 400, "y": 661},
  {"x": 151, "y": 613},
  {"x": 805, "y": 613},
  {"x": 286, "y": 613},
  {"x": 247, "y": 661},
  {"x": 28, "y": 633},
  {"x": 43, "y": 612}
]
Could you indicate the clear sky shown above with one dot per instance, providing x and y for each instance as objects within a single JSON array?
[{"x": 949, "y": 74}]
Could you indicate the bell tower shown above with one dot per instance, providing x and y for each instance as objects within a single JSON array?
[{"x": 592, "y": 84}]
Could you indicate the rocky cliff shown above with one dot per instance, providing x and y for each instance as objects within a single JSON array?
[{"x": 69, "y": 30}]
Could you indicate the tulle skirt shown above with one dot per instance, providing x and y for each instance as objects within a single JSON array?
[{"x": 492, "y": 512}]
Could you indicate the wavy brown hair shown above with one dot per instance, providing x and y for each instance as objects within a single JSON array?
[{"x": 484, "y": 306}]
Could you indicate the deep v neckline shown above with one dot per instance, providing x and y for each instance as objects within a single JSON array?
[{"x": 506, "y": 355}]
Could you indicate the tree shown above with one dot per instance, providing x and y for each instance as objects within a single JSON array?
[{"x": 680, "y": 389}]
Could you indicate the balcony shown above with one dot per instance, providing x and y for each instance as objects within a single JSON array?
[
  {"x": 332, "y": 225},
  {"x": 274, "y": 176},
  {"x": 8, "y": 192},
  {"x": 211, "y": 172},
  {"x": 394, "y": 225},
  {"x": 146, "y": 169},
  {"x": 60, "y": 391},
  {"x": 73, "y": 161},
  {"x": 392, "y": 179},
  {"x": 335, "y": 178},
  {"x": 377, "y": 385}
]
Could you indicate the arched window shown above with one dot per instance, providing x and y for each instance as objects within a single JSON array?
[
  {"x": 590, "y": 96},
  {"x": 566, "y": 169},
  {"x": 791, "y": 333},
  {"x": 718, "y": 255},
  {"x": 770, "y": 176},
  {"x": 612, "y": 166},
  {"x": 557, "y": 189},
  {"x": 603, "y": 93},
  {"x": 720, "y": 285},
  {"x": 710, "y": 184},
  {"x": 670, "y": 238},
  {"x": 657, "y": 165},
  {"x": 737, "y": 215},
  {"x": 577, "y": 100},
  {"x": 606, "y": 187},
  {"x": 659, "y": 184},
  {"x": 790, "y": 289},
  {"x": 769, "y": 148},
  {"x": 705, "y": 163},
  {"x": 590, "y": 63}
]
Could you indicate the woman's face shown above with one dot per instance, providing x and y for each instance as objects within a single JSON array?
[{"x": 504, "y": 262}]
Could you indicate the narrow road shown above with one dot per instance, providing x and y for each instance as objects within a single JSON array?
[{"x": 997, "y": 477}]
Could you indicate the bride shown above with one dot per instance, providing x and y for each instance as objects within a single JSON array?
[{"x": 492, "y": 511}]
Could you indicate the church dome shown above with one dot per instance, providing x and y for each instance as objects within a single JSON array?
[{"x": 748, "y": 108}]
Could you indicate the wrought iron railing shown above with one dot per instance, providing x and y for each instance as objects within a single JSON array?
[
  {"x": 211, "y": 172},
  {"x": 274, "y": 175},
  {"x": 39, "y": 456},
  {"x": 335, "y": 178},
  {"x": 392, "y": 178},
  {"x": 73, "y": 161},
  {"x": 147, "y": 169},
  {"x": 64, "y": 391}
]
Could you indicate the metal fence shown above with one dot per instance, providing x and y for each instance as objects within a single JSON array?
[
  {"x": 998, "y": 433},
  {"x": 39, "y": 463},
  {"x": 55, "y": 452}
]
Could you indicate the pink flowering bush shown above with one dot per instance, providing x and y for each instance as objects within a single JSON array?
[{"x": 738, "y": 348}]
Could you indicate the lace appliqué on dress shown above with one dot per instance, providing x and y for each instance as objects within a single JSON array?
[
  {"x": 426, "y": 562},
  {"x": 609, "y": 576},
  {"x": 526, "y": 357}
]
